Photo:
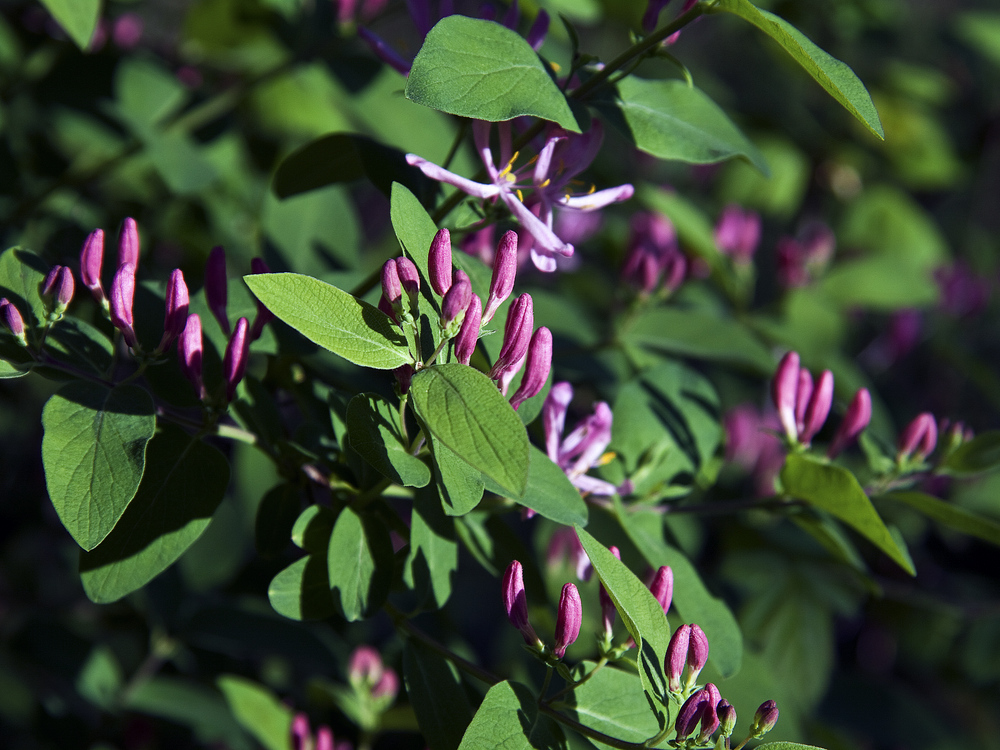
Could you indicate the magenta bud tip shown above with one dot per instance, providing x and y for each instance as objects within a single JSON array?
[
  {"x": 662, "y": 586},
  {"x": 784, "y": 388},
  {"x": 189, "y": 353},
  {"x": 538, "y": 363},
  {"x": 91, "y": 258},
  {"x": 439, "y": 262},
  {"x": 568, "y": 619},
  {"x": 122, "y": 296},
  {"x": 234, "y": 363},
  {"x": 128, "y": 243},
  {"x": 468, "y": 334}
]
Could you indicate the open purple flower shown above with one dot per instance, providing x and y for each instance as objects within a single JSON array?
[{"x": 561, "y": 159}]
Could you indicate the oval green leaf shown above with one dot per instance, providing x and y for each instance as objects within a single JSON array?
[
  {"x": 373, "y": 429},
  {"x": 612, "y": 702},
  {"x": 549, "y": 491},
  {"x": 302, "y": 590},
  {"x": 333, "y": 319},
  {"x": 360, "y": 564},
  {"x": 94, "y": 453},
  {"x": 950, "y": 515},
  {"x": 433, "y": 557},
  {"x": 980, "y": 454},
  {"x": 437, "y": 696},
  {"x": 509, "y": 718},
  {"x": 258, "y": 710},
  {"x": 480, "y": 69},
  {"x": 460, "y": 485}
]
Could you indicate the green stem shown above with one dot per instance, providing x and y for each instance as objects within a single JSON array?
[
  {"x": 660, "y": 736},
  {"x": 575, "y": 685},
  {"x": 549, "y": 669},
  {"x": 437, "y": 351}
]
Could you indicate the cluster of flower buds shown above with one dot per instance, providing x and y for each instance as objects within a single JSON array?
[
  {"x": 918, "y": 440},
  {"x": 764, "y": 719},
  {"x": 737, "y": 234},
  {"x": 688, "y": 648},
  {"x": 569, "y": 616},
  {"x": 303, "y": 739},
  {"x": 367, "y": 673},
  {"x": 700, "y": 711},
  {"x": 803, "y": 258},
  {"x": 57, "y": 290},
  {"x": 653, "y": 259},
  {"x": 803, "y": 405}
]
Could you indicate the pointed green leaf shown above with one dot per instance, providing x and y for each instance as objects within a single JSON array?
[
  {"x": 829, "y": 72},
  {"x": 374, "y": 432},
  {"x": 413, "y": 226},
  {"x": 672, "y": 120},
  {"x": 360, "y": 564},
  {"x": 465, "y": 412},
  {"x": 978, "y": 455},
  {"x": 78, "y": 18},
  {"x": 480, "y": 69},
  {"x": 302, "y": 590},
  {"x": 549, "y": 491},
  {"x": 182, "y": 486},
  {"x": 460, "y": 485},
  {"x": 836, "y": 491},
  {"x": 949, "y": 514},
  {"x": 612, "y": 702},
  {"x": 509, "y": 718},
  {"x": 94, "y": 452},
  {"x": 258, "y": 711},
  {"x": 433, "y": 557},
  {"x": 332, "y": 318},
  {"x": 22, "y": 274},
  {"x": 437, "y": 696}
]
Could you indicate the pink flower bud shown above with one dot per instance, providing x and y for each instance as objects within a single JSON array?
[
  {"x": 857, "y": 417},
  {"x": 691, "y": 713},
  {"x": 392, "y": 288},
  {"x": 516, "y": 335},
  {"x": 439, "y": 262},
  {"x": 538, "y": 362},
  {"x": 676, "y": 658},
  {"x": 608, "y": 610},
  {"x": 468, "y": 334},
  {"x": 216, "y": 286},
  {"x": 385, "y": 306},
  {"x": 662, "y": 586},
  {"x": 189, "y": 353},
  {"x": 264, "y": 316},
  {"x": 764, "y": 719},
  {"x": 387, "y": 686},
  {"x": 709, "y": 714},
  {"x": 818, "y": 408},
  {"x": 91, "y": 258},
  {"x": 727, "y": 718},
  {"x": 675, "y": 267},
  {"x": 802, "y": 394},
  {"x": 128, "y": 243},
  {"x": 697, "y": 655},
  {"x": 920, "y": 436},
  {"x": 783, "y": 390},
  {"x": 176, "y": 308},
  {"x": 234, "y": 362},
  {"x": 456, "y": 300},
  {"x": 301, "y": 733},
  {"x": 12, "y": 319},
  {"x": 516, "y": 603},
  {"x": 365, "y": 667},
  {"x": 504, "y": 271},
  {"x": 409, "y": 277},
  {"x": 404, "y": 374},
  {"x": 59, "y": 283},
  {"x": 568, "y": 619},
  {"x": 324, "y": 738},
  {"x": 738, "y": 233},
  {"x": 122, "y": 295}
]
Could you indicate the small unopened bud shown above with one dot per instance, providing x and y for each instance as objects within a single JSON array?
[
  {"x": 765, "y": 719},
  {"x": 385, "y": 306},
  {"x": 802, "y": 395},
  {"x": 392, "y": 287},
  {"x": 516, "y": 603},
  {"x": 216, "y": 283},
  {"x": 920, "y": 437},
  {"x": 264, "y": 316},
  {"x": 691, "y": 713},
  {"x": 675, "y": 267},
  {"x": 538, "y": 362},
  {"x": 439, "y": 262},
  {"x": 403, "y": 374},
  {"x": 783, "y": 390},
  {"x": 504, "y": 271},
  {"x": 12, "y": 319},
  {"x": 568, "y": 619},
  {"x": 608, "y": 610},
  {"x": 128, "y": 243},
  {"x": 516, "y": 335},
  {"x": 177, "y": 304},
  {"x": 91, "y": 258},
  {"x": 387, "y": 686},
  {"x": 697, "y": 655},
  {"x": 60, "y": 286},
  {"x": 818, "y": 408},
  {"x": 189, "y": 353},
  {"x": 234, "y": 363},
  {"x": 676, "y": 658},
  {"x": 301, "y": 733},
  {"x": 468, "y": 334},
  {"x": 122, "y": 295},
  {"x": 324, "y": 738},
  {"x": 365, "y": 668},
  {"x": 727, "y": 718},
  {"x": 859, "y": 413},
  {"x": 455, "y": 303},
  {"x": 662, "y": 586}
]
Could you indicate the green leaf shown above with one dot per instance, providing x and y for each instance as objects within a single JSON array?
[
  {"x": 182, "y": 486},
  {"x": 980, "y": 29},
  {"x": 549, "y": 491},
  {"x": 509, "y": 718},
  {"x": 980, "y": 454},
  {"x": 312, "y": 529},
  {"x": 465, "y": 412},
  {"x": 879, "y": 283},
  {"x": 692, "y": 600},
  {"x": 100, "y": 679},
  {"x": 302, "y": 590},
  {"x": 829, "y": 72},
  {"x": 786, "y": 746},
  {"x": 642, "y": 615},
  {"x": 480, "y": 69},
  {"x": 79, "y": 343},
  {"x": 94, "y": 452},
  {"x": 360, "y": 564},
  {"x": 836, "y": 491},
  {"x": 612, "y": 702},
  {"x": 22, "y": 274},
  {"x": 437, "y": 696},
  {"x": 461, "y": 486},
  {"x": 374, "y": 432},
  {"x": 954, "y": 516},
  {"x": 433, "y": 554},
  {"x": 332, "y": 318},
  {"x": 672, "y": 120},
  {"x": 78, "y": 18},
  {"x": 259, "y": 711}
]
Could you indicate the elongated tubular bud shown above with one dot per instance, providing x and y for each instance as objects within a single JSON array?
[
  {"x": 727, "y": 718},
  {"x": 608, "y": 610},
  {"x": 783, "y": 390},
  {"x": 59, "y": 284},
  {"x": 674, "y": 270},
  {"x": 662, "y": 586},
  {"x": 538, "y": 362},
  {"x": 177, "y": 305},
  {"x": 819, "y": 407},
  {"x": 122, "y": 296},
  {"x": 234, "y": 363},
  {"x": 91, "y": 259},
  {"x": 301, "y": 733},
  {"x": 189, "y": 353},
  {"x": 392, "y": 287},
  {"x": 216, "y": 291},
  {"x": 516, "y": 603},
  {"x": 385, "y": 306},
  {"x": 128, "y": 243},
  {"x": 264, "y": 316},
  {"x": 697, "y": 655},
  {"x": 365, "y": 667},
  {"x": 324, "y": 738},
  {"x": 676, "y": 658},
  {"x": 504, "y": 272},
  {"x": 920, "y": 434},
  {"x": 409, "y": 277},
  {"x": 516, "y": 335},
  {"x": 12, "y": 319},
  {"x": 456, "y": 300},
  {"x": 404, "y": 376},
  {"x": 709, "y": 714},
  {"x": 802, "y": 396},
  {"x": 554, "y": 417},
  {"x": 857, "y": 417},
  {"x": 568, "y": 619},
  {"x": 439, "y": 262},
  {"x": 468, "y": 334},
  {"x": 690, "y": 713},
  {"x": 764, "y": 719}
]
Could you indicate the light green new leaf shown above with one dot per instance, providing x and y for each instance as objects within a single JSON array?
[
  {"x": 77, "y": 17},
  {"x": 332, "y": 318},
  {"x": 360, "y": 564},
  {"x": 549, "y": 491},
  {"x": 433, "y": 554},
  {"x": 94, "y": 452},
  {"x": 836, "y": 491},
  {"x": 612, "y": 702},
  {"x": 480, "y": 69},
  {"x": 980, "y": 454},
  {"x": 258, "y": 711},
  {"x": 833, "y": 75},
  {"x": 672, "y": 120},
  {"x": 374, "y": 432},
  {"x": 509, "y": 718},
  {"x": 464, "y": 411},
  {"x": 951, "y": 515},
  {"x": 183, "y": 484},
  {"x": 437, "y": 696}
]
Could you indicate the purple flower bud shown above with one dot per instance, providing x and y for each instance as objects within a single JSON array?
[
  {"x": 409, "y": 277},
  {"x": 802, "y": 394},
  {"x": 234, "y": 362},
  {"x": 439, "y": 262},
  {"x": 403, "y": 374},
  {"x": 676, "y": 658},
  {"x": 765, "y": 719},
  {"x": 697, "y": 655},
  {"x": 857, "y": 417},
  {"x": 324, "y": 738},
  {"x": 818, "y": 408},
  {"x": 568, "y": 619},
  {"x": 516, "y": 335},
  {"x": 59, "y": 283},
  {"x": 392, "y": 288},
  {"x": 385, "y": 306},
  {"x": 301, "y": 733},
  {"x": 652, "y": 14},
  {"x": 504, "y": 271},
  {"x": 189, "y": 353},
  {"x": 176, "y": 308},
  {"x": 128, "y": 243},
  {"x": 215, "y": 286},
  {"x": 662, "y": 586},
  {"x": 456, "y": 300},
  {"x": 709, "y": 714},
  {"x": 91, "y": 258},
  {"x": 468, "y": 334},
  {"x": 920, "y": 436},
  {"x": 675, "y": 268},
  {"x": 727, "y": 718},
  {"x": 738, "y": 233},
  {"x": 608, "y": 610},
  {"x": 12, "y": 319},
  {"x": 538, "y": 362},
  {"x": 264, "y": 316},
  {"x": 387, "y": 686},
  {"x": 365, "y": 668},
  {"x": 516, "y": 603},
  {"x": 122, "y": 295},
  {"x": 783, "y": 390},
  {"x": 691, "y": 713}
]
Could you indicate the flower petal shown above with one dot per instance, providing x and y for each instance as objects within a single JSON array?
[
  {"x": 598, "y": 200},
  {"x": 476, "y": 189},
  {"x": 544, "y": 237}
]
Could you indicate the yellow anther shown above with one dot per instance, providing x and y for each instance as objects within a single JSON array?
[
  {"x": 546, "y": 183},
  {"x": 607, "y": 458}
]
